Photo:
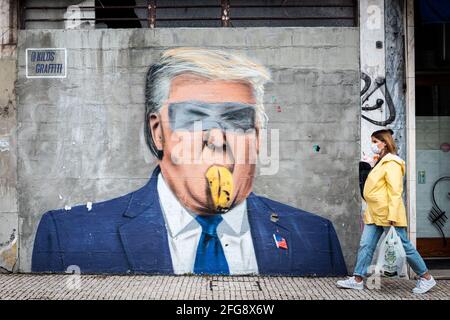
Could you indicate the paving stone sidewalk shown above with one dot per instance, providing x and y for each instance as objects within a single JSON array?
[{"x": 27, "y": 286}]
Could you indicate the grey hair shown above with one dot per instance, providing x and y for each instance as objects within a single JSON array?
[{"x": 212, "y": 64}]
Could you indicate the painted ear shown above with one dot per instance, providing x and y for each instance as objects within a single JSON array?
[{"x": 155, "y": 126}]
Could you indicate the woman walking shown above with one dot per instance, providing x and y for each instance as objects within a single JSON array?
[{"x": 383, "y": 194}]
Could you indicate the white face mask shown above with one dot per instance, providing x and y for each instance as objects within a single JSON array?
[{"x": 375, "y": 148}]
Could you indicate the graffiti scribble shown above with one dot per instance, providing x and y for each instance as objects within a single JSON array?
[
  {"x": 438, "y": 217},
  {"x": 379, "y": 83}
]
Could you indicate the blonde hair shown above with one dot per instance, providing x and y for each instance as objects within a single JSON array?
[
  {"x": 386, "y": 136},
  {"x": 212, "y": 64}
]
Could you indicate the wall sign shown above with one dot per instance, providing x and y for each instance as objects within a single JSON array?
[{"x": 46, "y": 63}]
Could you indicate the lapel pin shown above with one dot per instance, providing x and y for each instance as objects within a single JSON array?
[
  {"x": 274, "y": 217},
  {"x": 280, "y": 241}
]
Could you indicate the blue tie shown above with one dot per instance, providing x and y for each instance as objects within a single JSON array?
[{"x": 210, "y": 258}]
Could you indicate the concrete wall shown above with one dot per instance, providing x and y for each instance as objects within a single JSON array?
[
  {"x": 8, "y": 147},
  {"x": 80, "y": 138},
  {"x": 372, "y": 29},
  {"x": 395, "y": 69},
  {"x": 382, "y": 21}
]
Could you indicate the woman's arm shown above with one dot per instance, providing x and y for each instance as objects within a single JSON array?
[{"x": 394, "y": 183}]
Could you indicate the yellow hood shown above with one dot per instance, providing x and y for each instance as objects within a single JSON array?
[{"x": 395, "y": 158}]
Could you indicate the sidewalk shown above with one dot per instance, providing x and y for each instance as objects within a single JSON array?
[{"x": 25, "y": 286}]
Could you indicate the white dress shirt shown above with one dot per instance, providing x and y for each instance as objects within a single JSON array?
[{"x": 184, "y": 233}]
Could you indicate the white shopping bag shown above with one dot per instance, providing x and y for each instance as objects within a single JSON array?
[{"x": 391, "y": 258}]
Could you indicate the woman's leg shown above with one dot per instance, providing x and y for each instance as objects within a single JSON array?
[
  {"x": 369, "y": 239},
  {"x": 412, "y": 255}
]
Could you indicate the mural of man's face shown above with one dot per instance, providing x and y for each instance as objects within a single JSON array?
[{"x": 210, "y": 140}]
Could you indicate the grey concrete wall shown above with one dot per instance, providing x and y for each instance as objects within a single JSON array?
[
  {"x": 8, "y": 170},
  {"x": 80, "y": 138},
  {"x": 395, "y": 69},
  {"x": 8, "y": 147}
]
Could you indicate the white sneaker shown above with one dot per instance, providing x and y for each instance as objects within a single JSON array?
[
  {"x": 351, "y": 283},
  {"x": 423, "y": 285}
]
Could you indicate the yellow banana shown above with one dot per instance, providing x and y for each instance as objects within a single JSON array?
[{"x": 220, "y": 181}]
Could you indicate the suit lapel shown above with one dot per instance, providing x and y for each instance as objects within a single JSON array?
[
  {"x": 144, "y": 238},
  {"x": 270, "y": 259}
]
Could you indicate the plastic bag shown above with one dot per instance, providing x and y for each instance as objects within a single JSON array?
[{"x": 391, "y": 259}]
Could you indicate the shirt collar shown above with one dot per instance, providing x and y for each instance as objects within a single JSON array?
[
  {"x": 177, "y": 218},
  {"x": 235, "y": 217},
  {"x": 180, "y": 219}
]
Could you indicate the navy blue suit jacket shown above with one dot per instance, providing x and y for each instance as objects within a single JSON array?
[{"x": 128, "y": 235}]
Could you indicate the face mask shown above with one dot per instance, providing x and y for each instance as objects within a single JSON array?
[{"x": 375, "y": 148}]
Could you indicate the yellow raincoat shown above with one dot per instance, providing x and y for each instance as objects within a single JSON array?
[{"x": 383, "y": 193}]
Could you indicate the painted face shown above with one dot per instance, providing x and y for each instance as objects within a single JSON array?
[
  {"x": 198, "y": 115},
  {"x": 208, "y": 131}
]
